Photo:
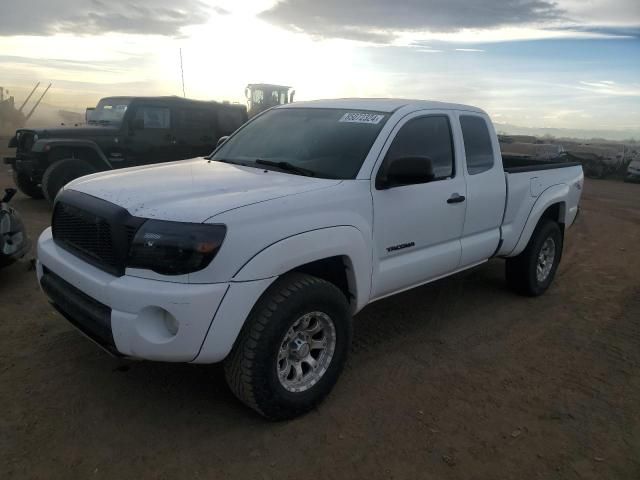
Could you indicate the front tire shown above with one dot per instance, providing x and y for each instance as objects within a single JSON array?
[
  {"x": 58, "y": 174},
  {"x": 26, "y": 185},
  {"x": 531, "y": 272},
  {"x": 292, "y": 348}
]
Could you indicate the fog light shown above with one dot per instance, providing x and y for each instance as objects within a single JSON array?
[
  {"x": 171, "y": 323},
  {"x": 157, "y": 325}
]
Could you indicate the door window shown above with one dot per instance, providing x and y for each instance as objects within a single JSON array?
[
  {"x": 154, "y": 117},
  {"x": 477, "y": 144},
  {"x": 257, "y": 96},
  {"x": 426, "y": 136},
  {"x": 195, "y": 119}
]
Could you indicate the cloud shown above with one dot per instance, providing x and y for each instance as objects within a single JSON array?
[
  {"x": 94, "y": 17},
  {"x": 469, "y": 50},
  {"x": 611, "y": 31},
  {"x": 381, "y": 20},
  {"x": 221, "y": 11},
  {"x": 114, "y": 66},
  {"x": 610, "y": 88}
]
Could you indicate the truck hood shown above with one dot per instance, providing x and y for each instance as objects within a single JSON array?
[
  {"x": 74, "y": 132},
  {"x": 192, "y": 190}
]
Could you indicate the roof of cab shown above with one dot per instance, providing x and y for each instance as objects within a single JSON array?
[
  {"x": 385, "y": 105},
  {"x": 174, "y": 99}
]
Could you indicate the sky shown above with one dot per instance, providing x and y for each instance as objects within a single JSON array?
[{"x": 568, "y": 64}]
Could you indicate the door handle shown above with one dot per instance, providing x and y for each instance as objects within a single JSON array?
[{"x": 456, "y": 198}]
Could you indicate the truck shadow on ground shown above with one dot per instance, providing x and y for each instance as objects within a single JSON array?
[{"x": 174, "y": 393}]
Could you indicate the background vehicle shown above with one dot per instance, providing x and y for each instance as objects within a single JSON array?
[
  {"x": 11, "y": 117},
  {"x": 633, "y": 172},
  {"x": 14, "y": 243},
  {"x": 260, "y": 256},
  {"x": 121, "y": 132},
  {"x": 262, "y": 96}
]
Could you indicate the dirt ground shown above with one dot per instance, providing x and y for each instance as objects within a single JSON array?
[{"x": 456, "y": 380}]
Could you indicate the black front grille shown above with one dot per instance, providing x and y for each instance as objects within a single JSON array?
[
  {"x": 87, "y": 314},
  {"x": 26, "y": 139},
  {"x": 85, "y": 233},
  {"x": 97, "y": 231}
]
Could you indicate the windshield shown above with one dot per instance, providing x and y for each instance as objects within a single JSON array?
[
  {"x": 109, "y": 111},
  {"x": 325, "y": 143}
]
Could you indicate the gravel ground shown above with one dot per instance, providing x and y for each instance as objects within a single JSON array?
[{"x": 456, "y": 380}]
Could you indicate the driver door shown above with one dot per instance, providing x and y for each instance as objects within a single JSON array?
[
  {"x": 418, "y": 228},
  {"x": 151, "y": 136}
]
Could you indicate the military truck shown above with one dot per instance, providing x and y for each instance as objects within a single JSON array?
[
  {"x": 120, "y": 132},
  {"x": 263, "y": 96}
]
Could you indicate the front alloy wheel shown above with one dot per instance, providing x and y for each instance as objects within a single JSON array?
[
  {"x": 306, "y": 351},
  {"x": 292, "y": 347}
]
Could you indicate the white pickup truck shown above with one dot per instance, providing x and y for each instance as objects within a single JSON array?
[{"x": 260, "y": 254}]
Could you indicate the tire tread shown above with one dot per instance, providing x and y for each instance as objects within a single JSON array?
[{"x": 241, "y": 363}]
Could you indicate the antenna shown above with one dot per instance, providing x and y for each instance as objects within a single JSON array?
[{"x": 182, "y": 74}]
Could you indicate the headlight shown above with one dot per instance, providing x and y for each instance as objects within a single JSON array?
[{"x": 175, "y": 248}]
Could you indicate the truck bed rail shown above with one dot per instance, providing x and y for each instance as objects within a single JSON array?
[{"x": 515, "y": 164}]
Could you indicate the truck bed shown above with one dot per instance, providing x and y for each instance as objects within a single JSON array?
[
  {"x": 527, "y": 180},
  {"x": 515, "y": 164}
]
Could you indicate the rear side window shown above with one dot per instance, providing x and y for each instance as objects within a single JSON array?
[
  {"x": 195, "y": 119},
  {"x": 427, "y": 137},
  {"x": 154, "y": 117},
  {"x": 229, "y": 119},
  {"x": 477, "y": 144}
]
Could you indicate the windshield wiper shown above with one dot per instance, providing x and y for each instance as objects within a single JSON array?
[{"x": 287, "y": 167}]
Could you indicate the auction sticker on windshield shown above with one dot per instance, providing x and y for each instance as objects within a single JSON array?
[{"x": 356, "y": 117}]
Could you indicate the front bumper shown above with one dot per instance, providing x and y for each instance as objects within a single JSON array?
[
  {"x": 137, "y": 317},
  {"x": 28, "y": 166}
]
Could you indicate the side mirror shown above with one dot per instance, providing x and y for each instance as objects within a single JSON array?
[
  {"x": 221, "y": 140},
  {"x": 405, "y": 171}
]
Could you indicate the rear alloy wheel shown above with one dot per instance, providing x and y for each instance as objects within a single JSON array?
[
  {"x": 546, "y": 259},
  {"x": 26, "y": 185},
  {"x": 292, "y": 348},
  {"x": 58, "y": 174},
  {"x": 531, "y": 272}
]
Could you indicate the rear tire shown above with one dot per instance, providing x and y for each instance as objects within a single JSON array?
[
  {"x": 531, "y": 272},
  {"x": 58, "y": 174},
  {"x": 26, "y": 185},
  {"x": 277, "y": 339}
]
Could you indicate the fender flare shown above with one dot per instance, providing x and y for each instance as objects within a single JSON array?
[
  {"x": 292, "y": 252},
  {"x": 46, "y": 145},
  {"x": 551, "y": 196}
]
